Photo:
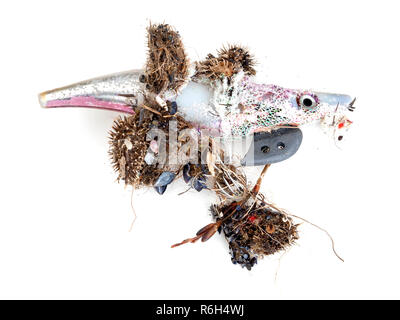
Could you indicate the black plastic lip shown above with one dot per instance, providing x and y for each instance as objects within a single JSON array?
[{"x": 273, "y": 147}]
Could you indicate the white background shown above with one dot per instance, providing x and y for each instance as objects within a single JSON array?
[{"x": 64, "y": 221}]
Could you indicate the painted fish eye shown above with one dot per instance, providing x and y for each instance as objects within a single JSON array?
[{"x": 307, "y": 101}]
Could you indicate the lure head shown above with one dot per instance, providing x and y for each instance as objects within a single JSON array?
[
  {"x": 269, "y": 106},
  {"x": 331, "y": 109}
]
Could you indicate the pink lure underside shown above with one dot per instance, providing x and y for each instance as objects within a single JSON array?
[{"x": 90, "y": 102}]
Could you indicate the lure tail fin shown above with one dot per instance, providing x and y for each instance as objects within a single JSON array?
[{"x": 120, "y": 92}]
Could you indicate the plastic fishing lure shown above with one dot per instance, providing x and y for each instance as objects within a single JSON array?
[
  {"x": 232, "y": 110},
  {"x": 217, "y": 98}
]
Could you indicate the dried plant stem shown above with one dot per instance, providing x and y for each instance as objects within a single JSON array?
[
  {"x": 152, "y": 110},
  {"x": 257, "y": 187},
  {"x": 327, "y": 233},
  {"x": 314, "y": 225},
  {"x": 279, "y": 264}
]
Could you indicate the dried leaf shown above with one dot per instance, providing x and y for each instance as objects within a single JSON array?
[
  {"x": 205, "y": 229},
  {"x": 209, "y": 233}
]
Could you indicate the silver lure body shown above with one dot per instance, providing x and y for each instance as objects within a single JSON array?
[{"x": 233, "y": 111}]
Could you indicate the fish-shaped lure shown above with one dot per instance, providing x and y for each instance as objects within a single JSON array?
[
  {"x": 214, "y": 95},
  {"x": 220, "y": 98}
]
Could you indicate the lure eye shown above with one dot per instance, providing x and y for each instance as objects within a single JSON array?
[{"x": 307, "y": 102}]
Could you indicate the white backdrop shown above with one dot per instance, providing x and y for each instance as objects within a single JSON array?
[{"x": 64, "y": 221}]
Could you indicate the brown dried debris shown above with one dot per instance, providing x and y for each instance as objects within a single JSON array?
[
  {"x": 128, "y": 145},
  {"x": 252, "y": 227},
  {"x": 229, "y": 61},
  {"x": 167, "y": 65},
  {"x": 230, "y": 182},
  {"x": 254, "y": 231}
]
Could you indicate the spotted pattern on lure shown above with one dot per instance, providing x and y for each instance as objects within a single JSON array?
[{"x": 247, "y": 107}]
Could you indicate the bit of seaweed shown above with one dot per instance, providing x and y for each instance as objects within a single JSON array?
[
  {"x": 128, "y": 145},
  {"x": 167, "y": 65},
  {"x": 229, "y": 61},
  {"x": 254, "y": 231}
]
